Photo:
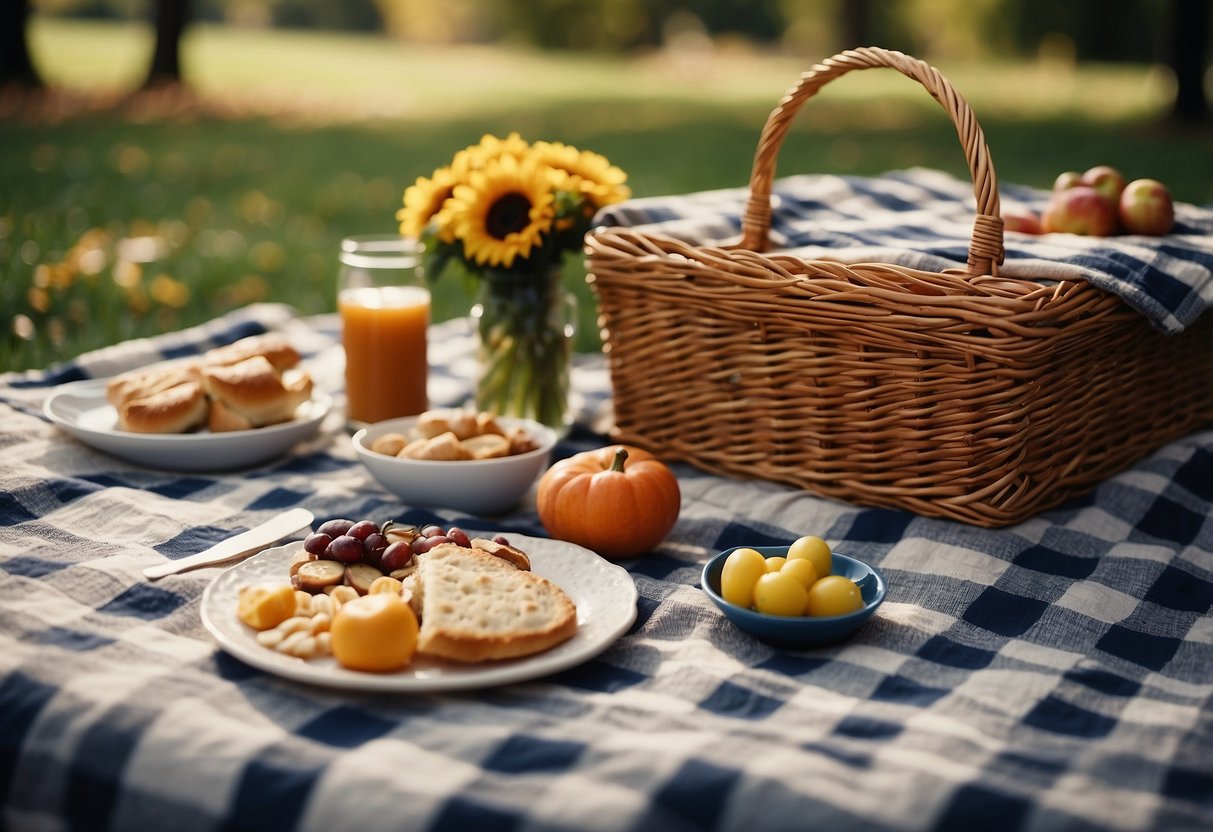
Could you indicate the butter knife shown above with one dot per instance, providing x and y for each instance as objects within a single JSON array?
[{"x": 238, "y": 546}]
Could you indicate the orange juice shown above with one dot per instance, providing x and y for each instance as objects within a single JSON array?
[{"x": 384, "y": 333}]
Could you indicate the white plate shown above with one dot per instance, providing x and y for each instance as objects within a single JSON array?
[
  {"x": 81, "y": 409},
  {"x": 604, "y": 593}
]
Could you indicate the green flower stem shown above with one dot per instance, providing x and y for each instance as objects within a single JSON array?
[
  {"x": 522, "y": 402},
  {"x": 497, "y": 365},
  {"x": 524, "y": 348}
]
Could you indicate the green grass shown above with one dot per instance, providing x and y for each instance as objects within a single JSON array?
[{"x": 323, "y": 132}]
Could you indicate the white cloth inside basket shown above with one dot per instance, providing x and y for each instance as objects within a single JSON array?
[{"x": 923, "y": 219}]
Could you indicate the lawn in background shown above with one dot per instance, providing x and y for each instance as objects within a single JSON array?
[{"x": 118, "y": 222}]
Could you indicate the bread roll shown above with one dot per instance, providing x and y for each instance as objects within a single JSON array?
[
  {"x": 222, "y": 419},
  {"x": 222, "y": 389},
  {"x": 433, "y": 423},
  {"x": 389, "y": 444},
  {"x": 272, "y": 346},
  {"x": 175, "y": 410},
  {"x": 476, "y": 607},
  {"x": 445, "y": 446},
  {"x": 251, "y": 393},
  {"x": 139, "y": 384},
  {"x": 487, "y": 446}
]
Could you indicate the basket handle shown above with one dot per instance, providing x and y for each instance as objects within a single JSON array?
[{"x": 986, "y": 243}]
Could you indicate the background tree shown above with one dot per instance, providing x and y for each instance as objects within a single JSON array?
[
  {"x": 171, "y": 18},
  {"x": 15, "y": 64},
  {"x": 1189, "y": 57}
]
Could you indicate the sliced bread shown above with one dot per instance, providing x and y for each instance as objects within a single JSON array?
[{"x": 474, "y": 607}]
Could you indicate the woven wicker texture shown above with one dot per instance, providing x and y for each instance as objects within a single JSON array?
[{"x": 959, "y": 394}]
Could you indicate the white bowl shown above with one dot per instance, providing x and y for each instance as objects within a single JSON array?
[{"x": 480, "y": 486}]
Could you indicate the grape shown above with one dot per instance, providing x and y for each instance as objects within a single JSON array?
[
  {"x": 372, "y": 548},
  {"x": 396, "y": 556},
  {"x": 459, "y": 537},
  {"x": 777, "y": 593},
  {"x": 814, "y": 550},
  {"x": 362, "y": 529},
  {"x": 335, "y": 528},
  {"x": 833, "y": 595},
  {"x": 432, "y": 531},
  {"x": 315, "y": 543},
  {"x": 742, "y": 569},
  {"x": 374, "y": 557},
  {"x": 345, "y": 549},
  {"x": 423, "y": 544},
  {"x": 801, "y": 569}
]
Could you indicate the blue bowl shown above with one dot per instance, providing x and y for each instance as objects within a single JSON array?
[{"x": 799, "y": 631}]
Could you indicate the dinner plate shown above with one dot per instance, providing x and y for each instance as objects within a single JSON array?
[
  {"x": 82, "y": 409},
  {"x": 604, "y": 593}
]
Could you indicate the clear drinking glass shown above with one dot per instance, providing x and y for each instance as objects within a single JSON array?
[{"x": 385, "y": 314}]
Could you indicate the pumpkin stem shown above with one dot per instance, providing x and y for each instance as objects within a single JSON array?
[{"x": 621, "y": 456}]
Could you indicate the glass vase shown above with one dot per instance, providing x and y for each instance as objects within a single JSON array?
[{"x": 525, "y": 323}]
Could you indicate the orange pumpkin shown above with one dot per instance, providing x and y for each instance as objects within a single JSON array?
[{"x": 619, "y": 501}]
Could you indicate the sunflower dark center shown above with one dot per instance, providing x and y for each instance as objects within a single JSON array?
[{"x": 508, "y": 215}]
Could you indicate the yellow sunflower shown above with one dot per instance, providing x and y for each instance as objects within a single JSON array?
[
  {"x": 492, "y": 148},
  {"x": 489, "y": 149},
  {"x": 583, "y": 172},
  {"x": 423, "y": 200},
  {"x": 503, "y": 212}
]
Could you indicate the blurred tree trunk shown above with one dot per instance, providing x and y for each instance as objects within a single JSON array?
[
  {"x": 1189, "y": 55},
  {"x": 15, "y": 64},
  {"x": 171, "y": 18},
  {"x": 855, "y": 24}
]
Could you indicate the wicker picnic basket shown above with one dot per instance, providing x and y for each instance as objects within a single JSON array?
[{"x": 959, "y": 394}]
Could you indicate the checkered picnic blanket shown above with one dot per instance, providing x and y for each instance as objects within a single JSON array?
[
  {"x": 923, "y": 219},
  {"x": 1057, "y": 674}
]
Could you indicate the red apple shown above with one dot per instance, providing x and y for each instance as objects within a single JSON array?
[
  {"x": 1146, "y": 208},
  {"x": 1105, "y": 179},
  {"x": 1067, "y": 180},
  {"x": 1021, "y": 220},
  {"x": 1080, "y": 210}
]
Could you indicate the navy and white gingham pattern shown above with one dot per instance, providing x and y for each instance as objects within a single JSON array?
[
  {"x": 1057, "y": 674},
  {"x": 923, "y": 218}
]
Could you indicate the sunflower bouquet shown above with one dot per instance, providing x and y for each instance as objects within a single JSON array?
[
  {"x": 508, "y": 204},
  {"x": 505, "y": 212}
]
